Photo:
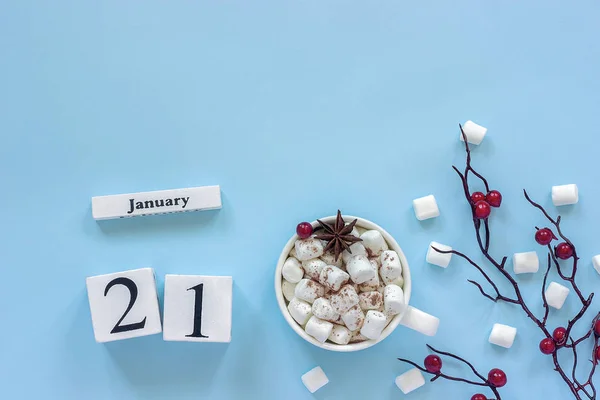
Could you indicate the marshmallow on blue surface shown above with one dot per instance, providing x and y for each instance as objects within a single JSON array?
[
  {"x": 436, "y": 258},
  {"x": 596, "y": 262},
  {"x": 474, "y": 133},
  {"x": 565, "y": 194},
  {"x": 426, "y": 207},
  {"x": 526, "y": 262},
  {"x": 315, "y": 379},
  {"x": 556, "y": 294},
  {"x": 410, "y": 380},
  {"x": 503, "y": 335}
]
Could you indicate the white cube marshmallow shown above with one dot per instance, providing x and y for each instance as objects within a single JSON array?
[
  {"x": 526, "y": 262},
  {"x": 503, "y": 335},
  {"x": 314, "y": 379},
  {"x": 375, "y": 321},
  {"x": 300, "y": 310},
  {"x": 309, "y": 290},
  {"x": 318, "y": 328},
  {"x": 437, "y": 258},
  {"x": 556, "y": 294},
  {"x": 329, "y": 259},
  {"x": 357, "y": 337},
  {"x": 410, "y": 380},
  {"x": 333, "y": 278},
  {"x": 360, "y": 269},
  {"x": 292, "y": 270},
  {"x": 426, "y": 207},
  {"x": 340, "y": 335},
  {"x": 393, "y": 300},
  {"x": 354, "y": 318},
  {"x": 322, "y": 309},
  {"x": 307, "y": 249},
  {"x": 357, "y": 249},
  {"x": 313, "y": 267},
  {"x": 374, "y": 242},
  {"x": 343, "y": 300},
  {"x": 565, "y": 194},
  {"x": 420, "y": 321},
  {"x": 370, "y": 285},
  {"x": 596, "y": 262},
  {"x": 475, "y": 133},
  {"x": 391, "y": 268},
  {"x": 370, "y": 300},
  {"x": 288, "y": 289}
]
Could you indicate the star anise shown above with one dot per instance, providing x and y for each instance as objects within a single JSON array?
[{"x": 338, "y": 235}]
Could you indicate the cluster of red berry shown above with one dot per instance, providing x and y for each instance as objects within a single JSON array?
[
  {"x": 559, "y": 338},
  {"x": 483, "y": 203},
  {"x": 545, "y": 236}
]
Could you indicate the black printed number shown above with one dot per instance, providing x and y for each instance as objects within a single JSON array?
[
  {"x": 133, "y": 293},
  {"x": 197, "y": 312}
]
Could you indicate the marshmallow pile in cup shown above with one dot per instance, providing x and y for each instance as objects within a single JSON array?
[{"x": 346, "y": 301}]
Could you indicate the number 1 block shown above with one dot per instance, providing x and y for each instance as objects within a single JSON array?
[
  {"x": 197, "y": 308},
  {"x": 124, "y": 305}
]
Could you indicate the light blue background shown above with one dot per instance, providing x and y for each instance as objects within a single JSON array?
[{"x": 296, "y": 109}]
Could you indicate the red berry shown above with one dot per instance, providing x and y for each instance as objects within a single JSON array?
[
  {"x": 304, "y": 230},
  {"x": 564, "y": 251},
  {"x": 560, "y": 335},
  {"x": 479, "y": 396},
  {"x": 494, "y": 198},
  {"x": 497, "y": 377},
  {"x": 597, "y": 328},
  {"x": 547, "y": 346},
  {"x": 482, "y": 209},
  {"x": 476, "y": 197},
  {"x": 544, "y": 236},
  {"x": 433, "y": 364}
]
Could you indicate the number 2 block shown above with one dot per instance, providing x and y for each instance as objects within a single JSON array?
[
  {"x": 124, "y": 305},
  {"x": 197, "y": 308}
]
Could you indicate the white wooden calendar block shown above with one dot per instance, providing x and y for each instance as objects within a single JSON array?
[
  {"x": 157, "y": 202},
  {"x": 124, "y": 305},
  {"x": 197, "y": 308}
]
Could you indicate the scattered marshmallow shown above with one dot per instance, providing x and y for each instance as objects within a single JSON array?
[
  {"x": 318, "y": 328},
  {"x": 315, "y": 379},
  {"x": 299, "y": 310},
  {"x": 357, "y": 249},
  {"x": 565, "y": 194},
  {"x": 526, "y": 262},
  {"x": 503, "y": 335},
  {"x": 333, "y": 277},
  {"x": 370, "y": 300},
  {"x": 354, "y": 318},
  {"x": 556, "y": 294},
  {"x": 307, "y": 249},
  {"x": 309, "y": 290},
  {"x": 288, "y": 289},
  {"x": 340, "y": 335},
  {"x": 322, "y": 309},
  {"x": 343, "y": 300},
  {"x": 437, "y": 258},
  {"x": 391, "y": 268},
  {"x": 329, "y": 259},
  {"x": 374, "y": 242},
  {"x": 596, "y": 262},
  {"x": 426, "y": 207},
  {"x": 410, "y": 380},
  {"x": 375, "y": 321},
  {"x": 393, "y": 300},
  {"x": 292, "y": 270},
  {"x": 420, "y": 321},
  {"x": 313, "y": 267},
  {"x": 360, "y": 269},
  {"x": 474, "y": 133}
]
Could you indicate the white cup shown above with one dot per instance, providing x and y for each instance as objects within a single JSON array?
[{"x": 410, "y": 317}]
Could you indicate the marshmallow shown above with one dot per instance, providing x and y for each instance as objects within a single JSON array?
[
  {"x": 474, "y": 133},
  {"x": 556, "y": 294},
  {"x": 526, "y": 262},
  {"x": 333, "y": 278},
  {"x": 370, "y": 285},
  {"x": 340, "y": 335},
  {"x": 354, "y": 318},
  {"x": 410, "y": 380},
  {"x": 391, "y": 268},
  {"x": 318, "y": 328},
  {"x": 426, "y": 207},
  {"x": 299, "y": 310},
  {"x": 357, "y": 337},
  {"x": 313, "y": 268},
  {"x": 436, "y": 258},
  {"x": 314, "y": 379},
  {"x": 596, "y": 262},
  {"x": 375, "y": 321},
  {"x": 288, "y": 289},
  {"x": 420, "y": 321},
  {"x": 329, "y": 259},
  {"x": 309, "y": 291},
  {"x": 343, "y": 300},
  {"x": 374, "y": 242},
  {"x": 357, "y": 249},
  {"x": 293, "y": 252},
  {"x": 370, "y": 300},
  {"x": 503, "y": 335},
  {"x": 292, "y": 270},
  {"x": 565, "y": 194},
  {"x": 360, "y": 269},
  {"x": 393, "y": 299},
  {"x": 322, "y": 309},
  {"x": 307, "y": 249}
]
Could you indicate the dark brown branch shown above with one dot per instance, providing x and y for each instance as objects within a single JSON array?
[{"x": 545, "y": 302}]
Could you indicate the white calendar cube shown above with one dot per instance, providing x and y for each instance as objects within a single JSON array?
[
  {"x": 124, "y": 305},
  {"x": 198, "y": 308}
]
